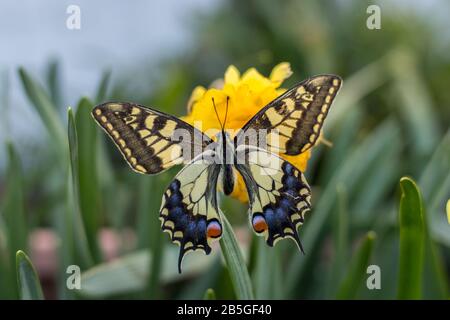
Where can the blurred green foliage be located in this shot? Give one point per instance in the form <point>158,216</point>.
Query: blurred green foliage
<point>391,119</point>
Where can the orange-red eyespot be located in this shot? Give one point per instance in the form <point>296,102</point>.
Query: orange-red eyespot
<point>214,229</point>
<point>259,223</point>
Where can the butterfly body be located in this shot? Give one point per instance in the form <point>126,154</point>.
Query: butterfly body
<point>226,152</point>
<point>279,195</point>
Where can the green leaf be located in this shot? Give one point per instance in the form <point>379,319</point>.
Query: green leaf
<point>268,261</point>
<point>89,192</point>
<point>235,263</point>
<point>27,279</point>
<point>14,227</point>
<point>54,83</point>
<point>358,268</point>
<point>209,295</point>
<point>412,238</point>
<point>447,208</point>
<point>81,242</point>
<point>414,101</point>
<point>435,183</point>
<point>130,273</point>
<point>46,110</point>
<point>149,228</point>
<point>14,204</point>
<point>355,88</point>
<point>340,241</point>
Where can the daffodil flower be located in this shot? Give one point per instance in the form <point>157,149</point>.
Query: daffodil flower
<point>247,93</point>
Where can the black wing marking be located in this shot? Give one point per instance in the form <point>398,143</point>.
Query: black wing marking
<point>146,138</point>
<point>294,120</point>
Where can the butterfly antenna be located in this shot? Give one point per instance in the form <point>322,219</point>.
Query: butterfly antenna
<point>226,113</point>
<point>217,115</point>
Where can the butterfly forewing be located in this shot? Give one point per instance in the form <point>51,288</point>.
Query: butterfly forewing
<point>294,120</point>
<point>145,136</point>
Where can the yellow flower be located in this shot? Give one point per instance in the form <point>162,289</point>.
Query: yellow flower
<point>247,95</point>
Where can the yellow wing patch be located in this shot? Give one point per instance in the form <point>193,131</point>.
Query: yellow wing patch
<point>144,136</point>
<point>278,193</point>
<point>294,120</point>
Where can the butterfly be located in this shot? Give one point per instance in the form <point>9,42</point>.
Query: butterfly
<point>152,141</point>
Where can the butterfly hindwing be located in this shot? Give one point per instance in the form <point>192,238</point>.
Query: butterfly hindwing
<point>294,120</point>
<point>279,195</point>
<point>189,210</point>
<point>145,136</point>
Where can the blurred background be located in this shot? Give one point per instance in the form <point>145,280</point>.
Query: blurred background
<point>391,119</point>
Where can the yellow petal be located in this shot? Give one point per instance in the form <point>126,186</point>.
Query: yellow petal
<point>232,75</point>
<point>300,161</point>
<point>252,74</point>
<point>280,73</point>
<point>196,95</point>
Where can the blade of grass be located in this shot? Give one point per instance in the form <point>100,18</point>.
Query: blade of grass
<point>82,244</point>
<point>27,279</point>
<point>235,263</point>
<point>5,92</point>
<point>14,219</point>
<point>89,192</point>
<point>414,101</point>
<point>54,83</point>
<point>103,87</point>
<point>356,87</point>
<point>447,207</point>
<point>149,229</point>
<point>267,262</point>
<point>412,237</point>
<point>343,134</point>
<point>383,175</point>
<point>435,279</point>
<point>46,110</point>
<point>63,223</point>
<point>341,241</point>
<point>436,169</point>
<point>14,204</point>
<point>8,289</point>
<point>357,270</point>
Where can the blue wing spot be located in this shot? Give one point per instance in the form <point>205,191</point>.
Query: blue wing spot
<point>193,229</point>
<point>175,185</point>
<point>278,215</point>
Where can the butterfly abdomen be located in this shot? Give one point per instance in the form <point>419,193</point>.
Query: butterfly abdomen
<point>228,179</point>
